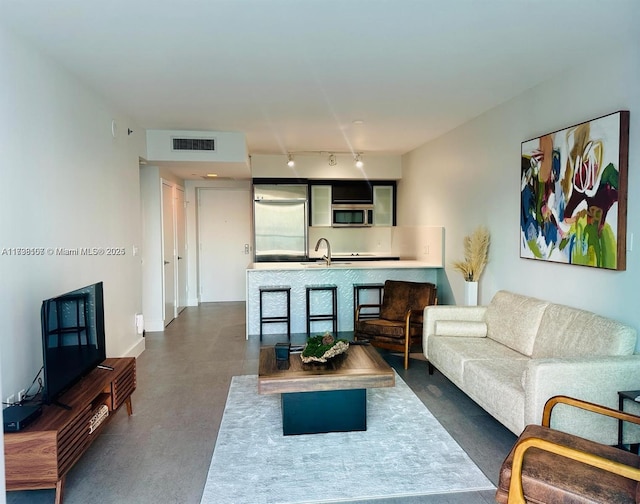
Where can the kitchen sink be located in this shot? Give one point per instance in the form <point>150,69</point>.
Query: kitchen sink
<point>322,264</point>
<point>354,254</point>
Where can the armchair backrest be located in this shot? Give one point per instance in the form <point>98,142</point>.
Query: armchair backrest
<point>401,296</point>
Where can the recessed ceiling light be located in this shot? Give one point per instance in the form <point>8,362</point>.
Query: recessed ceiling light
<point>212,175</point>
<point>358,121</point>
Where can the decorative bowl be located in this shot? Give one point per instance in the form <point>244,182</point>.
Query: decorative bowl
<point>321,348</point>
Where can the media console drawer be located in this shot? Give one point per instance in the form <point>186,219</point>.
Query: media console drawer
<point>40,455</point>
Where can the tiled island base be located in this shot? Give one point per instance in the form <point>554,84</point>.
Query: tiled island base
<point>344,276</point>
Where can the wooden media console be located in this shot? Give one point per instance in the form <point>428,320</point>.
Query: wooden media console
<point>40,455</point>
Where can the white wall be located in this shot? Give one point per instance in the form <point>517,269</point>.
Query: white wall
<point>152,286</point>
<point>471,176</point>
<point>66,182</point>
<point>151,178</point>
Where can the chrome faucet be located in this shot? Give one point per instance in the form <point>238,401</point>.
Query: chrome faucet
<point>327,257</point>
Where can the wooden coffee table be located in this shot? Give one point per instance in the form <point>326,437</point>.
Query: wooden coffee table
<point>329,397</point>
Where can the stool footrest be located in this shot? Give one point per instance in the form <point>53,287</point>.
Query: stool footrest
<point>333,316</point>
<point>276,319</point>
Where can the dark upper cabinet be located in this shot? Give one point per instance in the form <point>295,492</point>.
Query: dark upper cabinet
<point>351,191</point>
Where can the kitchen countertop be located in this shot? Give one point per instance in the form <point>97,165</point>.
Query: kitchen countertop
<point>341,264</point>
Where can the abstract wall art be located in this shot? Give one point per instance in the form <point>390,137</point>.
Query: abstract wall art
<point>573,194</point>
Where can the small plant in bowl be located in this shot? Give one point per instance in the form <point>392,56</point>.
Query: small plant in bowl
<point>323,347</point>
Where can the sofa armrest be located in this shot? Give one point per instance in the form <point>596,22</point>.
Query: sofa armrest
<point>594,379</point>
<point>432,314</point>
<point>586,405</point>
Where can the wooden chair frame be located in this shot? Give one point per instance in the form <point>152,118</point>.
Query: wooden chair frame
<point>516,494</point>
<point>407,326</point>
<point>391,346</point>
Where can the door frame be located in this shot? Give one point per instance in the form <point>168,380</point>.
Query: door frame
<point>174,229</point>
<point>182,251</point>
<point>227,189</point>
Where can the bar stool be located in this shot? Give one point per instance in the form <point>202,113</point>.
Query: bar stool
<point>278,319</point>
<point>357,287</point>
<point>333,316</point>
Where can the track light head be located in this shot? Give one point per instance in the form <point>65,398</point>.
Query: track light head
<point>332,160</point>
<point>358,160</point>
<point>290,162</point>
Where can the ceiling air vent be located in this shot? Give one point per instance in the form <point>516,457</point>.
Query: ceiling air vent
<point>194,144</point>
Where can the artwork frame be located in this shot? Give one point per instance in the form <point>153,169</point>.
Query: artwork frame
<point>573,194</point>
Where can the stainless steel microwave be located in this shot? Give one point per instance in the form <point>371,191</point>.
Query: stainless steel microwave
<point>351,215</point>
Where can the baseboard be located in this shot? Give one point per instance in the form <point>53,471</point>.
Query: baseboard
<point>137,349</point>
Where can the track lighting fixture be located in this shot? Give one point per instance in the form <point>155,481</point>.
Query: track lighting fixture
<point>332,159</point>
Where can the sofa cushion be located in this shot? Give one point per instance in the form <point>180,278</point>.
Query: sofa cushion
<point>386,328</point>
<point>450,354</point>
<point>460,328</point>
<point>570,332</point>
<point>496,385</point>
<point>513,320</point>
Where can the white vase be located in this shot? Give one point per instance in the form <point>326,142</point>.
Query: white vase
<point>471,293</point>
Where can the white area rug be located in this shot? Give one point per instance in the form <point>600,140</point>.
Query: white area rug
<point>404,452</point>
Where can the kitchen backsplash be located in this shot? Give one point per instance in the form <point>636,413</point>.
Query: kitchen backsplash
<point>346,240</point>
<point>422,243</point>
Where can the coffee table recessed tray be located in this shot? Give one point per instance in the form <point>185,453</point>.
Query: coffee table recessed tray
<point>328,397</point>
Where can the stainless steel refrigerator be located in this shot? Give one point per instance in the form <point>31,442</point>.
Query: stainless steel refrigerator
<point>280,222</point>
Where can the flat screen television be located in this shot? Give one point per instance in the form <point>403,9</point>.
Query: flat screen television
<point>72,338</point>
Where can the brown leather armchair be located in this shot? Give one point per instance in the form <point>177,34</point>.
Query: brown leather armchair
<point>399,325</point>
<point>549,466</point>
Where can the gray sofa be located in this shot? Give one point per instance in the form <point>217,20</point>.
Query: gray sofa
<point>517,352</point>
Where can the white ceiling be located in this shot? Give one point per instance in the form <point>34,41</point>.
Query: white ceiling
<point>293,75</point>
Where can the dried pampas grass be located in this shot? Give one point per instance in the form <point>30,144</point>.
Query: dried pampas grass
<point>476,254</point>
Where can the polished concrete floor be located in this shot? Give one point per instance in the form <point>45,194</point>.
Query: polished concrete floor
<point>161,454</point>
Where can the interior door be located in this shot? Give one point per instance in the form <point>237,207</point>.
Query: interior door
<point>224,235</point>
<point>181,249</point>
<point>168,254</point>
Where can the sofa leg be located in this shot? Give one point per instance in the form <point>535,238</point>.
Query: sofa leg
<point>431,368</point>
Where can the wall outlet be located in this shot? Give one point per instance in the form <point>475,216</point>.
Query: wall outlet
<point>11,399</point>
<point>139,323</point>
<point>21,395</point>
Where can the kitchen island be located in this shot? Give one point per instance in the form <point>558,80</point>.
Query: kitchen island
<point>341,273</point>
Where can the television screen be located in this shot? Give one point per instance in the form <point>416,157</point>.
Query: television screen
<point>72,338</point>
